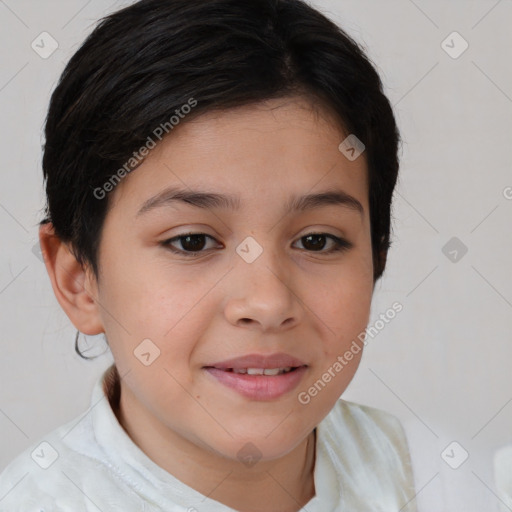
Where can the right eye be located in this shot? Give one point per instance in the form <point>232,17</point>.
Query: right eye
<point>192,243</point>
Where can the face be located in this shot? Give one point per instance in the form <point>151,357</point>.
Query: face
<point>186,286</point>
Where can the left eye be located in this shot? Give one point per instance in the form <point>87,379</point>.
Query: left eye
<point>317,242</point>
<point>193,243</point>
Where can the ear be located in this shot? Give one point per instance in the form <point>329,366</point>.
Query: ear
<point>75,288</point>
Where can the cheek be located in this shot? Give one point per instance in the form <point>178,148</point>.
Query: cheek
<point>345,303</point>
<point>148,297</point>
<point>163,315</point>
<point>344,310</point>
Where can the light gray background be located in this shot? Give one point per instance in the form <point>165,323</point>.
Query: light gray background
<point>443,365</point>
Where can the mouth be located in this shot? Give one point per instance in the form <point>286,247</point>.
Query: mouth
<point>256,364</point>
<point>258,371</point>
<point>259,377</point>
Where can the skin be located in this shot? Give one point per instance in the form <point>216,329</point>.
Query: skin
<point>216,306</point>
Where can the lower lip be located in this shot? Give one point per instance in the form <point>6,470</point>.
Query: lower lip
<point>259,387</point>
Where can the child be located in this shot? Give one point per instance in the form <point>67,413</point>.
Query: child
<point>260,129</point>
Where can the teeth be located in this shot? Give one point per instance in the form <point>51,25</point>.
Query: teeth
<point>261,371</point>
<point>255,371</point>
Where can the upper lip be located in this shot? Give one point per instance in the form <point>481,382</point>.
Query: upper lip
<point>276,360</point>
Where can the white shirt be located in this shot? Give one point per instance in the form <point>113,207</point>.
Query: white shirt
<point>90,464</point>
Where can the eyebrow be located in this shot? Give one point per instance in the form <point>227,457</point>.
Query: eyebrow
<point>210,200</point>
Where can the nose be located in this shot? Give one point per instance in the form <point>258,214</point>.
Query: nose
<point>261,295</point>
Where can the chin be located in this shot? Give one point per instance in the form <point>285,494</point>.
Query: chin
<point>260,446</point>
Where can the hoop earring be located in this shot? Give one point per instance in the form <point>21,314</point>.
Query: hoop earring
<point>77,350</point>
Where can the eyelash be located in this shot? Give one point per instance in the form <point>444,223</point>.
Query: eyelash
<point>341,244</point>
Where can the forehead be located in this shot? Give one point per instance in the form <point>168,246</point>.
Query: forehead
<point>264,152</point>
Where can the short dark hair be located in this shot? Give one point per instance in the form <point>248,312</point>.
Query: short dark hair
<point>143,62</point>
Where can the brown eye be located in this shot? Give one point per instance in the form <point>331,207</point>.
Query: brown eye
<point>316,242</point>
<point>191,243</point>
